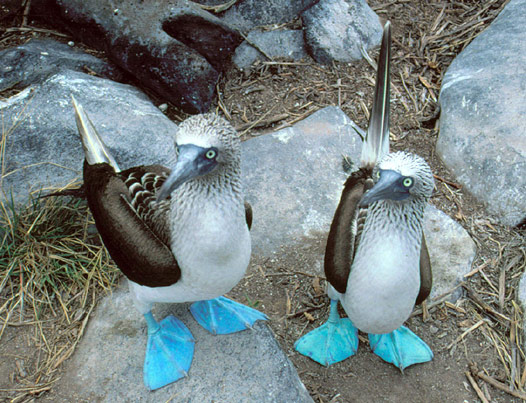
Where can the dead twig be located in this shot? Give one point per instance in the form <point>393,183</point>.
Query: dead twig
<point>476,387</point>
<point>499,385</point>
<point>465,333</point>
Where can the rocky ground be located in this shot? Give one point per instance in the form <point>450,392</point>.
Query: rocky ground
<point>477,341</point>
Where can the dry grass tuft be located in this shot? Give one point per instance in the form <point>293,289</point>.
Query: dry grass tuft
<point>52,270</point>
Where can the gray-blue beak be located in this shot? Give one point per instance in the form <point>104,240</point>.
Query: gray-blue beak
<point>389,186</point>
<point>191,163</point>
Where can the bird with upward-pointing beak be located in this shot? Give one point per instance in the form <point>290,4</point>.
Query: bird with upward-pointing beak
<point>376,259</point>
<point>179,236</point>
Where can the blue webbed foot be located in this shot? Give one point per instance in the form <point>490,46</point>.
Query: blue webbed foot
<point>224,316</point>
<point>332,342</point>
<point>169,351</point>
<point>401,348</point>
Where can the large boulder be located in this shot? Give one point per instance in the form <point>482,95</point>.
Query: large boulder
<point>338,29</point>
<point>173,47</point>
<point>43,150</point>
<point>482,136</point>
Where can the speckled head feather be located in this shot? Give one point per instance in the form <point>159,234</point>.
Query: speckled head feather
<point>411,165</point>
<point>211,130</point>
<point>208,156</point>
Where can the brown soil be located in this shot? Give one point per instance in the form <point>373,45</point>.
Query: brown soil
<point>290,288</point>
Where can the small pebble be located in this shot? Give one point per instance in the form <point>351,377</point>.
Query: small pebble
<point>71,43</point>
<point>433,329</point>
<point>163,107</point>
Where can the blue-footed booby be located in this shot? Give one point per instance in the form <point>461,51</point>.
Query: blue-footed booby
<point>376,259</point>
<point>179,235</point>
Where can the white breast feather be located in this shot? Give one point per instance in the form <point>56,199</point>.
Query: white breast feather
<point>213,253</point>
<point>384,280</point>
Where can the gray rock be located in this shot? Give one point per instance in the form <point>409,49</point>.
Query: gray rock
<point>294,178</point>
<point>38,59</point>
<point>172,46</point>
<point>279,44</point>
<point>248,366</point>
<point>248,14</point>
<point>42,147</point>
<point>483,116</point>
<point>337,29</point>
<point>451,251</point>
<point>294,200</point>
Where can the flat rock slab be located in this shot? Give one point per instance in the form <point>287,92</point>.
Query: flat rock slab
<point>451,251</point>
<point>247,366</point>
<point>483,116</point>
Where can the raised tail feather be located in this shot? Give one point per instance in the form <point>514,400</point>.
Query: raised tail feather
<point>95,150</point>
<point>376,143</point>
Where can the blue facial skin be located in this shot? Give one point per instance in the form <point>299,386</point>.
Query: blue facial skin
<point>192,161</point>
<point>391,185</point>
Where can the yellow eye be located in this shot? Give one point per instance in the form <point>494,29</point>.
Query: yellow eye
<point>211,154</point>
<point>378,174</point>
<point>408,182</point>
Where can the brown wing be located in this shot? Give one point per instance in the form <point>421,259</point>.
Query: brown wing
<point>426,276</point>
<point>248,214</point>
<point>136,237</point>
<point>339,251</point>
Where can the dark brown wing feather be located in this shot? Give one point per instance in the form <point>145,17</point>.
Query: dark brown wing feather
<point>136,238</point>
<point>339,251</point>
<point>248,214</point>
<point>426,276</point>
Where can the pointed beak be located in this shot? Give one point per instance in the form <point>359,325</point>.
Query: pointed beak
<point>190,164</point>
<point>387,187</point>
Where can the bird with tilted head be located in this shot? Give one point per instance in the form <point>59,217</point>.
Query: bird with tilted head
<point>179,235</point>
<point>376,259</point>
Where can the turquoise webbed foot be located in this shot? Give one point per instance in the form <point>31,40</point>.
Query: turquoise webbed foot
<point>169,351</point>
<point>401,348</point>
<point>332,342</point>
<point>224,316</point>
